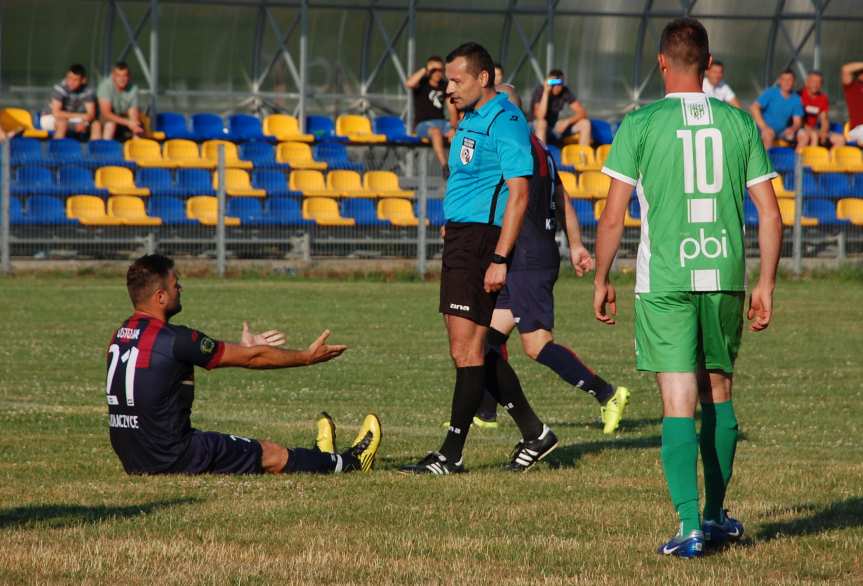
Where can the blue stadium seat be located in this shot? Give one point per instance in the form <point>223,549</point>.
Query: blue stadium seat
<point>323,128</point>
<point>173,125</point>
<point>16,212</point>
<point>750,212</point>
<point>248,209</point>
<point>812,184</point>
<point>171,209</point>
<point>835,185</point>
<point>434,212</point>
<point>554,151</point>
<point>74,180</point>
<point>244,127</point>
<point>782,159</point>
<point>393,127</point>
<point>274,182</point>
<point>65,150</point>
<point>857,184</point>
<point>364,211</point>
<point>262,155</point>
<point>601,131</point>
<point>209,126</point>
<point>26,150</point>
<point>286,212</point>
<point>195,182</point>
<point>336,156</point>
<point>104,153</point>
<point>45,210</point>
<point>824,211</point>
<point>584,210</point>
<point>788,181</point>
<point>31,179</point>
<point>159,181</point>
<point>634,207</point>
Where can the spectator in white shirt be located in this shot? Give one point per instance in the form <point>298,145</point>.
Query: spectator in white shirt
<point>715,87</point>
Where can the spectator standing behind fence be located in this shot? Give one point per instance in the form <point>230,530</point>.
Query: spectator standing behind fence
<point>430,106</point>
<point>816,118</point>
<point>118,105</point>
<point>714,85</point>
<point>72,108</point>
<point>546,105</point>
<point>778,111</point>
<point>852,85</point>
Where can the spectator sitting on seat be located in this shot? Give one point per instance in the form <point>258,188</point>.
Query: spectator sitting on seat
<point>547,103</point>
<point>715,87</point>
<point>72,109</point>
<point>852,85</point>
<point>816,121</point>
<point>429,95</point>
<point>118,105</point>
<point>778,111</point>
<point>507,88</point>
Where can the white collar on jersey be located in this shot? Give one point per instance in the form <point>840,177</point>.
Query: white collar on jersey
<point>684,94</point>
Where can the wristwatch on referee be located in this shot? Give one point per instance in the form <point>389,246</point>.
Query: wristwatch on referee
<point>497,259</point>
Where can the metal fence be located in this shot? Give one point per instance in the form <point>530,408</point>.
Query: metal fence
<point>52,211</point>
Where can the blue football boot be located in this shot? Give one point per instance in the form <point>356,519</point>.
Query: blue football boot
<point>684,546</point>
<point>728,530</point>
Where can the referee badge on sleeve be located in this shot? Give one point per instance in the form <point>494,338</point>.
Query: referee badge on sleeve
<point>467,147</point>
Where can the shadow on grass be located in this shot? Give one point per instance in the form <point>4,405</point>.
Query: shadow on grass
<point>625,424</point>
<point>66,515</point>
<point>839,515</point>
<point>568,456</point>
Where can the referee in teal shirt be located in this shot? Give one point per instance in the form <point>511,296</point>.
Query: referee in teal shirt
<point>490,162</point>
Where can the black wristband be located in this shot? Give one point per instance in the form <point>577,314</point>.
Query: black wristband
<point>498,259</point>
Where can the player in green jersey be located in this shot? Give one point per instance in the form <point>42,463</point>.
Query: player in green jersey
<point>691,160</point>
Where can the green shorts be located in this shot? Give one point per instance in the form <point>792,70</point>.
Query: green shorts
<point>682,331</point>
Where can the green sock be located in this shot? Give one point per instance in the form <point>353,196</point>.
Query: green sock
<point>680,463</point>
<point>718,444</point>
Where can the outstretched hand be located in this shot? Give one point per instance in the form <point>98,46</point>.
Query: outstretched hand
<point>319,351</point>
<point>268,338</point>
<point>604,294</point>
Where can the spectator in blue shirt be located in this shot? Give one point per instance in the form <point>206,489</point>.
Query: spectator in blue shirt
<point>778,111</point>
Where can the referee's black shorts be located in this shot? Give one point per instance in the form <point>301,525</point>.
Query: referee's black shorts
<point>467,251</point>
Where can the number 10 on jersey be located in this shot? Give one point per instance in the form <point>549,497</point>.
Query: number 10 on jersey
<point>695,164</point>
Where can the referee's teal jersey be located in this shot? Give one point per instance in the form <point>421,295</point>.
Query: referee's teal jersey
<point>492,145</point>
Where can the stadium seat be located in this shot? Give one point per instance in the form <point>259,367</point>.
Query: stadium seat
<point>195,182</point>
<point>835,185</point>
<point>385,184</point>
<point>205,210</point>
<point>185,154</point>
<point>73,179</point>
<point>347,184</point>
<point>298,156</point>
<point>89,210</point>
<point>394,129</point>
<point>857,184</point>
<point>584,212</point>
<point>554,151</point>
<point>750,212</point>
<point>571,185</point>
<point>237,184</point>
<point>595,184</point>
<point>46,210</point>
<point>170,209</point>
<point>325,212</point>
<point>262,155</point>
<point>817,158</point>
<point>102,153</point>
<point>286,212</point>
<point>173,125</point>
<point>119,181</point>
<point>336,156</point>
<point>850,209</point>
<point>779,188</point>
<point>812,184</point>
<point>249,211</point>
<point>824,211</point>
<point>274,183</point>
<point>145,152</point>
<point>208,126</point>
<point>210,151</point>
<point>149,131</point>
<point>398,212</point>
<point>130,210</point>
<point>17,216</point>
<point>434,212</point>
<point>628,220</point>
<point>357,129</point>
<point>602,152</point>
<point>310,183</point>
<point>158,181</point>
<point>25,150</point>
<point>601,131</point>
<point>363,211</point>
<point>783,159</point>
<point>579,156</point>
<point>65,150</point>
<point>285,128</point>
<point>848,159</point>
<point>30,179</point>
<point>12,119</point>
<point>322,128</point>
<point>786,209</point>
<point>245,127</point>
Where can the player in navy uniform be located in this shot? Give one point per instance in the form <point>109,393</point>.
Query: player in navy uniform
<point>151,386</point>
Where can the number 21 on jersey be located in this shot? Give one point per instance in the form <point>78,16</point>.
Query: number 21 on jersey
<point>695,163</point>
<point>129,361</point>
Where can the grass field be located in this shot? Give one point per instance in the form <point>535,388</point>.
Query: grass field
<point>593,514</point>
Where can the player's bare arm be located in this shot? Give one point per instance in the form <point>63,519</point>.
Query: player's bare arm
<point>268,357</point>
<point>608,235</point>
<point>579,256</point>
<point>769,243</point>
<point>513,217</point>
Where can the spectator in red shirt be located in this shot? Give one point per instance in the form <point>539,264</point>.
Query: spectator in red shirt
<point>852,84</point>
<point>816,121</point>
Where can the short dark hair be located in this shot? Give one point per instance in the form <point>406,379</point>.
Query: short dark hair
<point>121,66</point>
<point>146,274</point>
<point>437,58</point>
<point>556,73</point>
<point>788,71</point>
<point>78,69</point>
<point>684,42</point>
<point>717,63</point>
<point>478,59</point>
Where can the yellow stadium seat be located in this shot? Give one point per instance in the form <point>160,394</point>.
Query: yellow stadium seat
<point>20,120</point>
<point>325,212</point>
<point>779,188</point>
<point>185,154</point>
<point>398,212</point>
<point>119,181</point>
<point>145,153</point>
<point>311,183</point>
<point>628,220</point>
<point>232,155</point>
<point>285,128</point>
<point>817,158</point>
<point>595,184</point>
<point>848,159</point>
<point>148,129</point>
<point>786,209</point>
<point>237,184</point>
<point>357,129</point>
<point>205,209</point>
<point>347,184</point>
<point>602,152</point>
<point>298,156</point>
<point>131,211</point>
<point>571,185</point>
<point>579,156</point>
<point>89,210</point>
<point>385,184</point>
<point>850,208</point>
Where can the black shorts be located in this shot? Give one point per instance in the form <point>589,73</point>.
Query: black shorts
<point>530,297</point>
<point>467,252</point>
<point>210,452</point>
